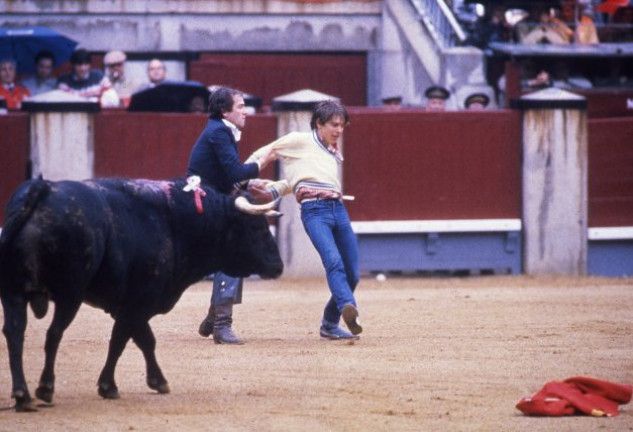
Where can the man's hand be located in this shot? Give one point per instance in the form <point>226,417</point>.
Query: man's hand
<point>258,188</point>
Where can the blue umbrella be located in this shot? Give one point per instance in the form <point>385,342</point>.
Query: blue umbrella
<point>23,44</point>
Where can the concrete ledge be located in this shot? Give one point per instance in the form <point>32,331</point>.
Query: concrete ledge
<point>425,226</point>
<point>610,233</point>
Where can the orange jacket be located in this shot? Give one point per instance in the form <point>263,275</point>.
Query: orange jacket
<point>15,96</point>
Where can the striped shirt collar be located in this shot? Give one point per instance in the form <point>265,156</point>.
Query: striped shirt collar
<point>331,150</point>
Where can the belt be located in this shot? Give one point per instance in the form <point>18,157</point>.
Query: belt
<point>305,200</point>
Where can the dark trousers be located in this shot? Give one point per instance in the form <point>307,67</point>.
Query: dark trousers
<point>226,289</point>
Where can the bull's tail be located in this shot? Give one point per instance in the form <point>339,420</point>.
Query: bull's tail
<point>19,210</point>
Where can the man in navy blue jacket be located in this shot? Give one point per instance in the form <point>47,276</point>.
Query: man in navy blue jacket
<point>214,158</point>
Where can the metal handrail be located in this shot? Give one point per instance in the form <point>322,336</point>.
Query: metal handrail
<point>440,21</point>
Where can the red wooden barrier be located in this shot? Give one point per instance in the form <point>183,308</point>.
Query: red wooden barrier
<point>416,165</point>
<point>14,147</point>
<point>157,145</point>
<point>268,76</point>
<point>610,172</point>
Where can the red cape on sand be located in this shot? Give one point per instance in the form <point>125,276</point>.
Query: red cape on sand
<point>577,395</point>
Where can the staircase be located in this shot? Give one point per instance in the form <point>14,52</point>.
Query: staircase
<point>422,46</point>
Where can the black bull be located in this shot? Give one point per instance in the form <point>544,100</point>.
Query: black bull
<point>129,247</point>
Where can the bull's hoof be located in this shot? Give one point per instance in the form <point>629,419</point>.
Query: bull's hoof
<point>160,387</point>
<point>45,392</point>
<point>23,402</point>
<point>108,391</point>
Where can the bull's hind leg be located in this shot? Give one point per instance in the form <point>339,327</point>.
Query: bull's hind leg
<point>13,329</point>
<point>65,312</point>
<point>144,338</point>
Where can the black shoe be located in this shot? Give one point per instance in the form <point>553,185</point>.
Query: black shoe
<point>350,316</point>
<point>206,327</point>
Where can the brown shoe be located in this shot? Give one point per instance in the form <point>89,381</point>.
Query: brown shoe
<point>350,316</point>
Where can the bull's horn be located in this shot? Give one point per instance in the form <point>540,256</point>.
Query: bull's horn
<point>242,204</point>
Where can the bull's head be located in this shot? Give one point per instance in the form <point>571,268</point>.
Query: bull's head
<point>250,247</point>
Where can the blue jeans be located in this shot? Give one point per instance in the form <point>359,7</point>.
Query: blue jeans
<point>327,224</point>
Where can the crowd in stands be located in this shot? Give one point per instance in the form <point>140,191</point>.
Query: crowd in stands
<point>110,87</point>
<point>552,21</point>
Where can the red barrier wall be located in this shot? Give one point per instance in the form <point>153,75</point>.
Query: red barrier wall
<point>416,165</point>
<point>267,76</point>
<point>157,145</point>
<point>14,148</point>
<point>409,165</point>
<point>610,172</point>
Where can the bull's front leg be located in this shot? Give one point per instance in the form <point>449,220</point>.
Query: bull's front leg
<point>65,312</point>
<point>121,334</point>
<point>14,327</point>
<point>144,338</point>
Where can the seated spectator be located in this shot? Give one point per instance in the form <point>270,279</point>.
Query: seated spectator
<point>477,102</point>
<point>124,86</point>
<point>156,74</point>
<point>550,29</point>
<point>562,77</point>
<point>437,97</point>
<point>43,80</point>
<point>11,91</point>
<point>531,78</point>
<point>392,103</point>
<point>616,76</point>
<point>197,105</point>
<point>87,82</point>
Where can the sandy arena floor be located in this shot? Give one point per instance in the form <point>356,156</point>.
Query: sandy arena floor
<point>437,354</point>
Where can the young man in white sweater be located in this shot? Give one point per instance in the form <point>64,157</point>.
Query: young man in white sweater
<point>311,163</point>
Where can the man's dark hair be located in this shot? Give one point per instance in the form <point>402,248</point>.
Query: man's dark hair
<point>325,110</point>
<point>80,56</point>
<point>221,101</point>
<point>44,55</point>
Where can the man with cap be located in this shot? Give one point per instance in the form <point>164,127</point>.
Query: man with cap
<point>114,62</point>
<point>477,102</point>
<point>436,96</point>
<point>392,103</point>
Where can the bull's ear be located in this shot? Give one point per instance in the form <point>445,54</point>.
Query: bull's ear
<point>242,204</point>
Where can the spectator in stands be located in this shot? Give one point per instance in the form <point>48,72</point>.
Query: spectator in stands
<point>87,82</point>
<point>563,79</point>
<point>436,98</point>
<point>312,161</point>
<point>531,77</point>
<point>616,76</point>
<point>11,91</point>
<point>550,29</point>
<point>124,86</point>
<point>197,105</point>
<point>477,102</point>
<point>215,160</point>
<point>156,74</point>
<point>392,103</point>
<point>43,80</point>
<point>580,13</point>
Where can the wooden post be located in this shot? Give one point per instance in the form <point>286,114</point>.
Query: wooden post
<point>554,182</point>
<point>62,136</point>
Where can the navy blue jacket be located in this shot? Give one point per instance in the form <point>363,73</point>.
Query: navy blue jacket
<point>214,158</point>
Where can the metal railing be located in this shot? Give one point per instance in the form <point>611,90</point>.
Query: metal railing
<point>440,21</point>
